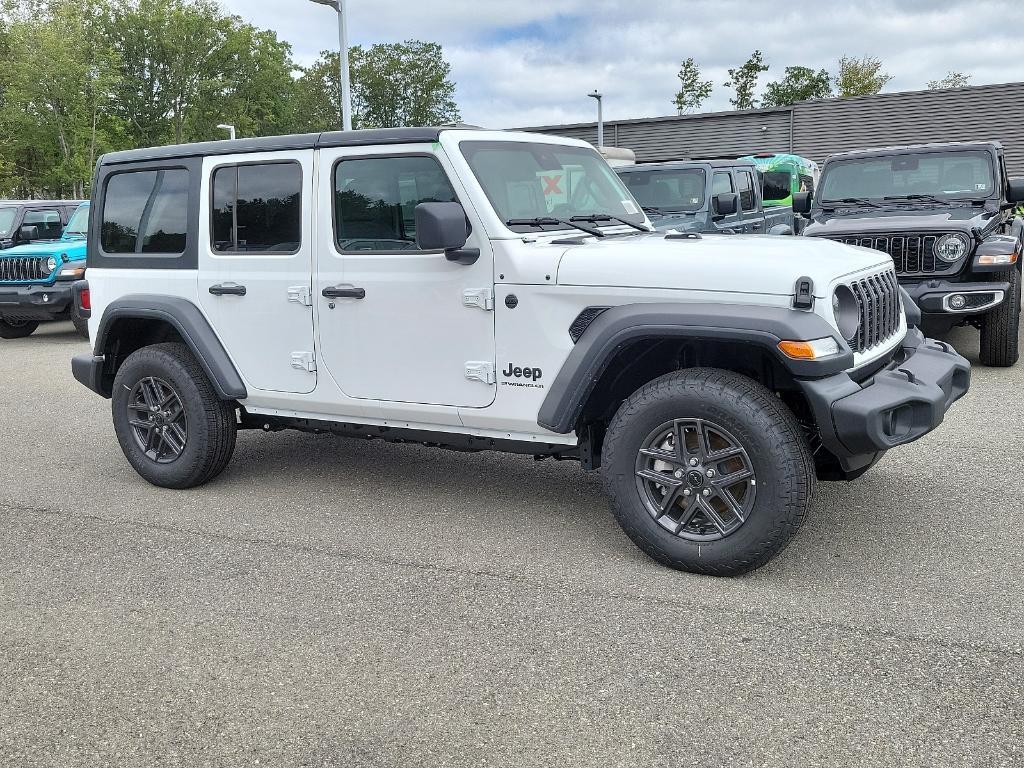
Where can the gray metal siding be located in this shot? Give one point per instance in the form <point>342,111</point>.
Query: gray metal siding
<point>719,134</point>
<point>981,113</point>
<point>820,128</point>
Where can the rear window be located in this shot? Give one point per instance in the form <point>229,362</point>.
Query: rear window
<point>146,212</point>
<point>775,185</point>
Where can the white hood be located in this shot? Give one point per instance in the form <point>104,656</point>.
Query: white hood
<point>762,264</point>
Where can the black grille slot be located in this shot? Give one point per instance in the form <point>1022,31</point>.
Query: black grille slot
<point>878,302</point>
<point>912,254</point>
<point>23,269</point>
<point>583,321</point>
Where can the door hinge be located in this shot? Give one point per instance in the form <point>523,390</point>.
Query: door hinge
<point>300,294</point>
<point>303,361</point>
<point>479,297</point>
<point>477,371</point>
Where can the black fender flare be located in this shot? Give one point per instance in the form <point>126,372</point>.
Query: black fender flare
<point>190,323</point>
<point>615,328</point>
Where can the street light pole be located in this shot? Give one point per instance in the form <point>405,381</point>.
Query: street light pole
<point>346,95</point>
<point>229,128</point>
<point>600,117</point>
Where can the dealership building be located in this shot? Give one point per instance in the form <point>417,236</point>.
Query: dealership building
<point>815,129</point>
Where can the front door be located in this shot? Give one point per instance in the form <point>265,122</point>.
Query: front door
<point>255,265</point>
<point>721,183</point>
<point>409,326</point>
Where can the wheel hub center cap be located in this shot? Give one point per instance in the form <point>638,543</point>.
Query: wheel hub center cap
<point>695,478</point>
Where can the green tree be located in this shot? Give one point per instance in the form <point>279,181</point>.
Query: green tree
<point>951,80</point>
<point>798,84</point>
<point>860,76</point>
<point>393,84</point>
<point>57,87</point>
<point>692,90</point>
<point>186,66</point>
<point>743,81</point>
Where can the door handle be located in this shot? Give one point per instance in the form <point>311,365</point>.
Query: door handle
<point>227,289</point>
<point>343,292</point>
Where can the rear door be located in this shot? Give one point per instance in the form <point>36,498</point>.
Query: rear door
<point>255,265</point>
<point>751,219</point>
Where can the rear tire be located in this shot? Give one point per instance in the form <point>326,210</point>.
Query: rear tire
<point>731,415</point>
<point>1000,328</point>
<point>12,328</point>
<point>173,428</point>
<point>81,325</point>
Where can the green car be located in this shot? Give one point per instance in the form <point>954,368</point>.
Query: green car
<point>782,175</point>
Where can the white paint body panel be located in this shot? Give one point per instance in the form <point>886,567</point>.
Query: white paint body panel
<point>398,357</point>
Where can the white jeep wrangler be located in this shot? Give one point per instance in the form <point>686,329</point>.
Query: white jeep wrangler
<point>485,290</point>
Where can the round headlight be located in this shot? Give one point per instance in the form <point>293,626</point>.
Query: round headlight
<point>51,264</point>
<point>844,306</point>
<point>951,248</point>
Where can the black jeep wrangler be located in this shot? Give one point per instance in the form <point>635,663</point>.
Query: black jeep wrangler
<point>944,212</point>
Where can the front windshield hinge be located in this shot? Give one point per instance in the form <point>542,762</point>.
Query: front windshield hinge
<point>803,294</point>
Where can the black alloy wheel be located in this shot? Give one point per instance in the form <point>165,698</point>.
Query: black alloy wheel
<point>157,419</point>
<point>696,479</point>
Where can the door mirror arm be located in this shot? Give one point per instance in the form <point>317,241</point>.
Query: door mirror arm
<point>462,255</point>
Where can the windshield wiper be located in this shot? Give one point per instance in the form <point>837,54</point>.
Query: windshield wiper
<point>593,218</point>
<point>852,200</point>
<point>547,221</point>
<point>916,197</point>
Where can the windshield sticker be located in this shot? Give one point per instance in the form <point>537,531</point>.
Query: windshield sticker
<point>630,206</point>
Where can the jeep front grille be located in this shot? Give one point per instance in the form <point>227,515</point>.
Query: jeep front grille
<point>912,254</point>
<point>878,302</point>
<point>23,269</point>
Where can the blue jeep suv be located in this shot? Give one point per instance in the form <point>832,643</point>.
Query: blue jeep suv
<point>36,280</point>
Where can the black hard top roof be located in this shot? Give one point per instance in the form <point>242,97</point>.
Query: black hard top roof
<point>910,149</point>
<point>680,164</point>
<point>278,143</point>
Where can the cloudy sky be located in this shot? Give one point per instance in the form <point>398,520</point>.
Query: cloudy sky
<point>532,63</point>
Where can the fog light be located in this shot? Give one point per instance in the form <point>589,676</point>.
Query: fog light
<point>957,301</point>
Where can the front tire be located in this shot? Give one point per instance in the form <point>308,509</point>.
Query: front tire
<point>1000,328</point>
<point>707,471</point>
<point>13,328</point>
<point>173,428</point>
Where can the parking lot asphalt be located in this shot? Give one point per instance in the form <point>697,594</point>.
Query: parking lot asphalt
<point>330,602</point>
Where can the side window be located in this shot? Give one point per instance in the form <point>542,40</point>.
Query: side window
<point>375,199</point>
<point>748,202</point>
<point>146,212</point>
<point>721,182</point>
<point>47,221</point>
<point>257,208</point>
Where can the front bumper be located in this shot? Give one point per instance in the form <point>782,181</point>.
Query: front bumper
<point>934,296</point>
<point>909,397</point>
<point>35,302</point>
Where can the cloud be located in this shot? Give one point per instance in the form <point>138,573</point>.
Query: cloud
<point>521,64</point>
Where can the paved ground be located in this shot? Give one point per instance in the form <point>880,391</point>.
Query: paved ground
<point>339,603</point>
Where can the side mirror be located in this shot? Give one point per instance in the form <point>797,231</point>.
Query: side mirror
<point>802,202</point>
<point>28,233</point>
<point>443,227</point>
<point>1015,190</point>
<point>725,203</point>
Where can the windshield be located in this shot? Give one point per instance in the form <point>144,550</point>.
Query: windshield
<point>668,191</point>
<point>7,216</point>
<point>79,224</point>
<point>526,180</point>
<point>952,175</point>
